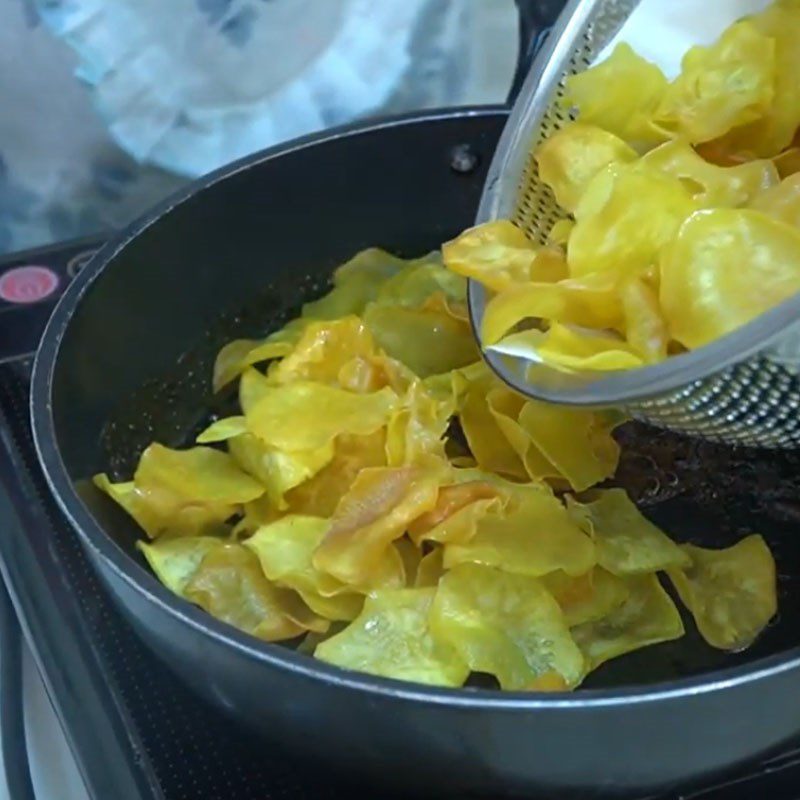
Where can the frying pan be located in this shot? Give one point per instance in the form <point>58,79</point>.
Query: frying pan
<point>126,359</point>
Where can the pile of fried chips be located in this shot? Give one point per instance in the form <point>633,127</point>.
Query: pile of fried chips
<point>681,207</point>
<point>383,496</point>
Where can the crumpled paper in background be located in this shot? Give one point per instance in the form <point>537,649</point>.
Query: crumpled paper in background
<point>104,114</point>
<point>108,105</point>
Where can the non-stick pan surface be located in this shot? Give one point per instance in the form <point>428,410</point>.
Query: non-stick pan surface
<point>126,359</point>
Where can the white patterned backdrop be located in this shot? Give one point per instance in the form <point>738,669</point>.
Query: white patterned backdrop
<point>107,105</point>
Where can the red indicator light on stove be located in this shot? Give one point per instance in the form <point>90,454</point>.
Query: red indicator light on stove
<point>28,284</point>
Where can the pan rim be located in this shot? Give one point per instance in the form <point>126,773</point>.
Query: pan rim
<point>101,546</point>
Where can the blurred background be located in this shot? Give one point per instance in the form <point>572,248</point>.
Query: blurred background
<point>108,105</point>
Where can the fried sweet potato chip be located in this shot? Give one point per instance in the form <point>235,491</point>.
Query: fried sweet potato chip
<point>591,301</point>
<point>391,638</point>
<point>620,96</point>
<point>724,268</point>
<point>500,256</point>
<point>175,560</point>
<point>627,542</point>
<point>285,549</point>
<point>646,617</point>
<point>533,536</point>
<point>710,185</point>
<point>573,155</point>
<point>721,87</point>
<point>320,495</point>
<point>288,417</point>
<point>624,219</point>
<point>774,129</point>
<point>508,626</point>
<point>377,509</point>
<point>731,593</point>
<point>781,202</point>
<point>230,585</point>
<point>588,597</point>
<point>183,492</point>
<point>572,349</point>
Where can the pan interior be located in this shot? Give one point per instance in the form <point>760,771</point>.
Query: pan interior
<point>135,364</point>
<point>710,495</point>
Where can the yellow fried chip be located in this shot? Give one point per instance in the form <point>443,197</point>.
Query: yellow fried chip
<point>620,95</point>
<point>459,508</point>
<point>155,521</point>
<point>372,373</point>
<point>646,617</point>
<point>731,593</point>
<point>508,626</point>
<point>588,597</point>
<point>372,265</point>
<point>624,219</point>
<point>500,255</point>
<point>199,474</point>
<point>256,513</point>
<point>285,549</point>
<point>627,542</point>
<point>533,536</point>
<point>577,442</point>
<point>323,350</point>
<point>451,387</point>
<point>550,442</point>
<point>506,406</point>
<point>592,301</point>
<point>720,87</point>
<point>230,585</point>
<point>415,433</point>
<point>550,265</point>
<point>774,129</point>
<point>175,560</point>
<point>571,349</point>
<point>183,492</point>
<point>223,429</point>
<point>355,283</point>
<point>781,202</point>
<point>376,510</point>
<point>240,354</point>
<point>391,638</point>
<point>507,489</point>
<point>426,341</point>
<point>488,445</point>
<point>645,327</point>
<point>573,155</point>
<point>421,278</point>
<point>278,471</point>
<point>290,417</point>
<point>726,267</point>
<point>253,386</point>
<point>709,184</point>
<point>319,495</point>
<point>559,235</point>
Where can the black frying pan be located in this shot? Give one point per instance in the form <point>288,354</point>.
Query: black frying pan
<point>126,360</point>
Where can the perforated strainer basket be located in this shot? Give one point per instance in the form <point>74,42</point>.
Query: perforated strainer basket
<point>742,389</point>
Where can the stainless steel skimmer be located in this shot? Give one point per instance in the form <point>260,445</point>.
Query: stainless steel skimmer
<point>742,389</point>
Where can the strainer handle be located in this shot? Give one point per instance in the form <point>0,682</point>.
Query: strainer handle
<point>536,17</point>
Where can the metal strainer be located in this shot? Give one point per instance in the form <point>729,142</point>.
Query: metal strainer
<point>741,389</point>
